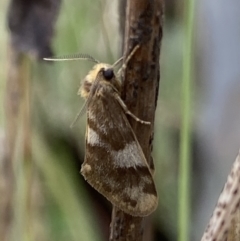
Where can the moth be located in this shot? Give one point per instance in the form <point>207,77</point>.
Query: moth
<point>226,209</point>
<point>114,163</point>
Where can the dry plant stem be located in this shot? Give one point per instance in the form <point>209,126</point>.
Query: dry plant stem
<point>12,108</point>
<point>27,153</point>
<point>227,206</point>
<point>17,137</point>
<point>124,226</point>
<point>143,27</point>
<point>234,232</point>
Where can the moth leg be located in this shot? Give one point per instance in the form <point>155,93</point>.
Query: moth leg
<point>124,66</point>
<point>128,112</point>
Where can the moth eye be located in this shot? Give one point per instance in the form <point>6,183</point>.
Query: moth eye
<point>108,74</point>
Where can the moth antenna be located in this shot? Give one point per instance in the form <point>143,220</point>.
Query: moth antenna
<point>124,66</point>
<point>73,57</point>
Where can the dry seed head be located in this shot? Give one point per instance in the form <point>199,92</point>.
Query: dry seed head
<point>226,207</point>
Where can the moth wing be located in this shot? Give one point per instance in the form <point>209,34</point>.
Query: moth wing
<point>114,161</point>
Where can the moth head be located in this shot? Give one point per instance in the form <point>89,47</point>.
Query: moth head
<point>100,72</point>
<point>104,73</point>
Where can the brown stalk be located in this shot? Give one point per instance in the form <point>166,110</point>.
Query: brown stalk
<point>143,27</point>
<point>18,137</point>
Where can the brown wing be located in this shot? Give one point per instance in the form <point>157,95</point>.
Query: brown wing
<point>114,162</point>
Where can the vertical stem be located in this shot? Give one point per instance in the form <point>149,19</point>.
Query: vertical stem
<point>18,163</point>
<point>143,27</point>
<point>13,97</point>
<point>27,155</point>
<point>185,141</point>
